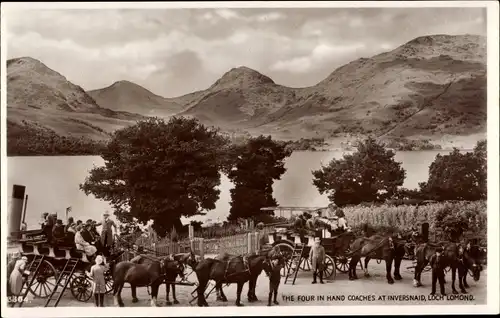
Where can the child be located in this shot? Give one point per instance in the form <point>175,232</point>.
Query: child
<point>437,265</point>
<point>97,275</point>
<point>317,259</point>
<point>273,270</point>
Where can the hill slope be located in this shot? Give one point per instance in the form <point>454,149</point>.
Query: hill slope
<point>430,86</point>
<point>128,96</point>
<point>40,99</point>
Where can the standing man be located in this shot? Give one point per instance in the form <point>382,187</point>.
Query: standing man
<point>107,232</point>
<point>317,257</point>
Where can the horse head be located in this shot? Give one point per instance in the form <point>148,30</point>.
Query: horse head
<point>170,265</point>
<point>274,261</point>
<point>472,259</point>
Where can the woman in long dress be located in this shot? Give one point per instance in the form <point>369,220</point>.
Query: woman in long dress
<point>81,244</point>
<point>16,277</point>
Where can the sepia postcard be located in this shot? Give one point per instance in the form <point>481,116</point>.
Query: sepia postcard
<point>270,158</point>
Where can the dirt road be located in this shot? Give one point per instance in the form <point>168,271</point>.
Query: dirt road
<point>365,291</point>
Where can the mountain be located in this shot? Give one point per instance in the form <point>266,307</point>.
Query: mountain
<point>40,100</point>
<point>430,86</point>
<point>128,96</point>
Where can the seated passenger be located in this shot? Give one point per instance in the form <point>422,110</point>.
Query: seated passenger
<point>82,244</point>
<point>70,227</point>
<point>58,232</point>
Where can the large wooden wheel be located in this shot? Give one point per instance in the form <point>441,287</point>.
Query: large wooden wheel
<point>330,271</point>
<point>342,263</point>
<point>81,287</point>
<point>45,280</point>
<point>305,265</point>
<point>286,250</point>
<point>108,277</point>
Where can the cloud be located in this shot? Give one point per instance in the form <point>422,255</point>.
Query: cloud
<point>319,55</point>
<point>173,52</point>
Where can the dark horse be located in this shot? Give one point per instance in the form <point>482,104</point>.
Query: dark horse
<point>151,273</point>
<point>227,269</point>
<point>456,257</point>
<point>390,248</point>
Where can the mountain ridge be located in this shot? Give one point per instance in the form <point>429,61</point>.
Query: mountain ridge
<point>428,87</point>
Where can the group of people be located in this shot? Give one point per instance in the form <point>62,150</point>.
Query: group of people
<point>334,218</point>
<point>84,235</point>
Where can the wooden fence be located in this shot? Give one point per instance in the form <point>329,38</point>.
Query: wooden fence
<point>235,244</point>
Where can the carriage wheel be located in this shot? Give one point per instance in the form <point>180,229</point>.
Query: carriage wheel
<point>81,288</point>
<point>305,265</point>
<point>330,268</point>
<point>109,282</point>
<point>45,280</point>
<point>342,263</point>
<point>287,251</point>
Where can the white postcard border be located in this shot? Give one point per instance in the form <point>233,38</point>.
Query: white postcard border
<point>493,173</point>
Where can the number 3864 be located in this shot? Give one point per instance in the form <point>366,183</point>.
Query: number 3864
<point>15,299</point>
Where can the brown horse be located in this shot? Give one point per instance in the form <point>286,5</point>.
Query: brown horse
<point>454,256</point>
<point>227,269</point>
<point>389,248</point>
<point>140,273</point>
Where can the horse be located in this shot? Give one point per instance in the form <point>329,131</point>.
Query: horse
<point>227,269</point>
<point>454,256</point>
<point>390,248</point>
<point>141,274</point>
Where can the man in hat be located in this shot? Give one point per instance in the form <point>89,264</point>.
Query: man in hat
<point>107,231</point>
<point>317,257</point>
<point>438,265</point>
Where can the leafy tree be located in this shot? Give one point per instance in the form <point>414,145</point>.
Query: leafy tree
<point>196,225</point>
<point>256,164</point>
<point>369,174</point>
<point>458,176</point>
<point>160,171</point>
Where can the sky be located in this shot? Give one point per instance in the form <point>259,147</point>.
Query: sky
<point>177,51</point>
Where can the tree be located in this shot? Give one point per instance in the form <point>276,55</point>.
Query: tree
<point>369,174</point>
<point>256,164</point>
<point>160,171</point>
<point>458,176</point>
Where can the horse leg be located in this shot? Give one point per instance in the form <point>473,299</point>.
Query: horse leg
<point>367,259</point>
<point>461,277</point>
<point>154,294</point>
<point>418,272</point>
<point>388,267</point>
<point>465,280</point>
<point>397,265</point>
<point>134,293</point>
<point>352,267</point>
<point>219,292</point>
<point>176,302</point>
<point>251,290</point>
<point>167,290</point>
<point>202,285</point>
<point>453,278</point>
<point>117,289</point>
<point>276,293</point>
<point>222,295</point>
<point>238,294</point>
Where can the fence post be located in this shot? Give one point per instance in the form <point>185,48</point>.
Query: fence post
<point>249,243</point>
<point>257,241</point>
<point>202,248</point>
<point>191,244</point>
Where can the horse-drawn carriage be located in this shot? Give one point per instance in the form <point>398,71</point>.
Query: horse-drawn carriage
<point>54,268</point>
<point>296,244</point>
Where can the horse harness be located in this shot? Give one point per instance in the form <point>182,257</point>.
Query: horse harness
<point>245,264</point>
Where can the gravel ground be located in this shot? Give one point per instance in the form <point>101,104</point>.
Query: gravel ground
<point>340,291</point>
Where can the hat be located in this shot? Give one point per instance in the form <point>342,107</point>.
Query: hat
<point>99,260</point>
<point>24,258</point>
<point>105,214</point>
<point>332,205</point>
<point>317,239</point>
<point>16,255</point>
